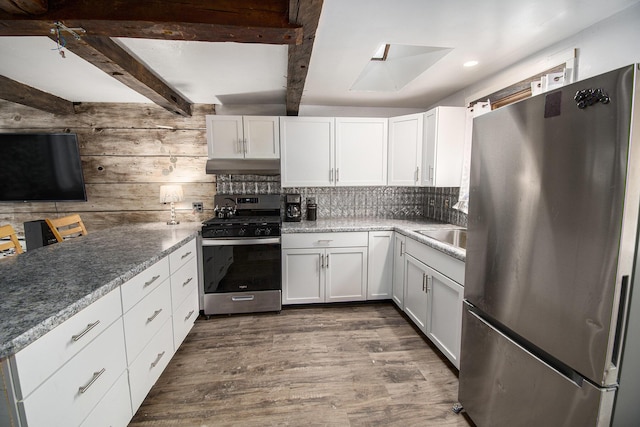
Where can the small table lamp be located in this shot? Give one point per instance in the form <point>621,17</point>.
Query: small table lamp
<point>171,194</point>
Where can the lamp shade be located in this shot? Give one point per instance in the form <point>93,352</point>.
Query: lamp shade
<point>171,193</point>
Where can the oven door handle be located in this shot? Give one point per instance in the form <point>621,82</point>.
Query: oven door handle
<point>240,242</point>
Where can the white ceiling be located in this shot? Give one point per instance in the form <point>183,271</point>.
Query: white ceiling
<point>496,33</point>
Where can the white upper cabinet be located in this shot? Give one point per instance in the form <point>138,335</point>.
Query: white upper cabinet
<point>405,149</point>
<point>323,151</point>
<point>361,151</point>
<point>443,149</point>
<point>307,151</point>
<point>243,137</point>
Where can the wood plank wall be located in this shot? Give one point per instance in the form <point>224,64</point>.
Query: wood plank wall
<point>128,151</point>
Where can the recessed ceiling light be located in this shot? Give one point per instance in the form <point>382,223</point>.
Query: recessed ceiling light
<point>470,64</point>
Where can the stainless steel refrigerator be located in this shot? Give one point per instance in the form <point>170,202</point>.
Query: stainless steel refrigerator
<point>551,323</point>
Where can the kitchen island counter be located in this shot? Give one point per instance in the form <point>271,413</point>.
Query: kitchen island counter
<point>402,226</point>
<point>44,287</point>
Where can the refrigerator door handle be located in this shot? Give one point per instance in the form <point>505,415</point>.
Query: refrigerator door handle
<point>623,307</point>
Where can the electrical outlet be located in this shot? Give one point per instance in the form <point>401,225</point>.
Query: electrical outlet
<point>197,206</point>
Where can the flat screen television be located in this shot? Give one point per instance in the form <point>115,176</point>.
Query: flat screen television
<point>40,168</point>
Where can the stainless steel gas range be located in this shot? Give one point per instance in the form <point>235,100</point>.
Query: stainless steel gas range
<point>241,255</point>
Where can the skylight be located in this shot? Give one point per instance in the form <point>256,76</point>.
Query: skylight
<point>393,66</point>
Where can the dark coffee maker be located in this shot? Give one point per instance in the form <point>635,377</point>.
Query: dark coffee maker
<point>293,208</point>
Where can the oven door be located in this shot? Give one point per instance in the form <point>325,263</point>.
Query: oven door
<point>241,275</point>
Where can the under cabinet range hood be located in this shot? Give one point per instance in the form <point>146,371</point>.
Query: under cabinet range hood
<point>243,166</point>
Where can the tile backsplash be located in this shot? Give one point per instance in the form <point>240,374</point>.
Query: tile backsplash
<point>354,202</point>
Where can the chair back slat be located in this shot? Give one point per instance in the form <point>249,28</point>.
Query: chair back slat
<point>13,243</point>
<point>66,226</point>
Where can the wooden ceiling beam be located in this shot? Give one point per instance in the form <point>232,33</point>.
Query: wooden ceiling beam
<point>307,14</point>
<point>19,93</point>
<point>26,7</point>
<point>247,21</point>
<point>114,60</point>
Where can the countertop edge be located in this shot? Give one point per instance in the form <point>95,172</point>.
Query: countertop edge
<point>404,227</point>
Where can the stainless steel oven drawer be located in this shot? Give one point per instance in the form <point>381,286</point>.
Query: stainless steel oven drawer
<point>242,302</point>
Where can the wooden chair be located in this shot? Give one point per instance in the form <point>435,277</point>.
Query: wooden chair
<point>66,226</point>
<point>13,243</point>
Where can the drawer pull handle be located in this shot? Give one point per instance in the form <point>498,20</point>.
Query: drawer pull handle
<point>325,241</point>
<point>244,298</point>
<point>187,281</point>
<point>86,330</point>
<point>155,314</point>
<point>189,315</point>
<point>95,377</point>
<point>153,279</point>
<point>155,362</point>
<point>185,255</point>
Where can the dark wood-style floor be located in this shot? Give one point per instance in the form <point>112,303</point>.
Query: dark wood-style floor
<point>354,365</point>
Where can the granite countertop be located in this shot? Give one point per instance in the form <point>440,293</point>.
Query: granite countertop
<point>44,287</point>
<point>403,226</point>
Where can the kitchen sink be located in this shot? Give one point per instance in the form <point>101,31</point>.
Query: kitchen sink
<point>457,238</point>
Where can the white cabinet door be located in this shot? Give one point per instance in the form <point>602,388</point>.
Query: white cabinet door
<point>240,137</point>
<point>225,138</point>
<point>302,276</point>
<point>361,151</point>
<point>398,283</point>
<point>307,145</point>
<point>415,297</point>
<point>262,137</point>
<point>346,274</point>
<point>405,149</point>
<point>444,314</point>
<point>443,150</point>
<point>380,270</point>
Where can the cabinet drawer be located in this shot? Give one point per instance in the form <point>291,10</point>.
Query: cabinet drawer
<point>64,341</point>
<point>146,369</point>
<point>139,286</point>
<point>115,407</point>
<point>184,317</point>
<point>183,282</point>
<point>145,319</point>
<point>182,255</point>
<point>325,240</point>
<point>72,392</point>
<point>449,266</point>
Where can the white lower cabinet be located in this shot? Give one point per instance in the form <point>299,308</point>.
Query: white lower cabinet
<point>346,274</point>
<point>380,270</point>
<point>324,267</point>
<point>67,397</point>
<point>114,409</point>
<point>399,259</point>
<point>302,276</point>
<point>444,315</point>
<point>415,297</point>
<point>433,294</point>
<point>145,319</point>
<point>146,369</point>
<point>183,318</point>
<point>184,291</point>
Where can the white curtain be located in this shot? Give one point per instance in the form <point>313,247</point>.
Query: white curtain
<point>475,110</point>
